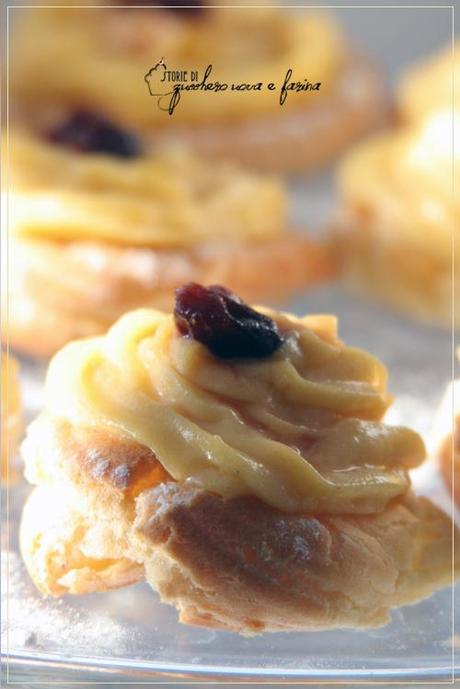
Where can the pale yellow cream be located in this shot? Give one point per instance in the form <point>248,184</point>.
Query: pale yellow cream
<point>160,200</point>
<point>300,429</point>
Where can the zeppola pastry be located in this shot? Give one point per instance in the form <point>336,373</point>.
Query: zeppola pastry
<point>431,85</point>
<point>130,60</point>
<point>236,459</point>
<point>99,226</point>
<point>398,229</point>
<point>11,416</point>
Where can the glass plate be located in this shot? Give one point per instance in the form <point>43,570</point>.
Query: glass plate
<point>130,633</point>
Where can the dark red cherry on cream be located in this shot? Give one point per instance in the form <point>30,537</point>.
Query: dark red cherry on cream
<point>220,320</point>
<point>177,6</point>
<point>88,132</point>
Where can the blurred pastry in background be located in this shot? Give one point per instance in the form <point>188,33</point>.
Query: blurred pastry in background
<point>398,227</point>
<point>98,226</point>
<point>446,438</point>
<point>449,457</point>
<point>431,85</point>
<point>117,61</point>
<point>11,414</point>
<point>236,459</point>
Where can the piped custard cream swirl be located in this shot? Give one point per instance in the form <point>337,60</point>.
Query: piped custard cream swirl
<point>166,199</point>
<point>299,429</point>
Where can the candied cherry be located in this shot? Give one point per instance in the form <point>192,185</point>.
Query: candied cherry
<point>87,132</point>
<point>195,6</point>
<point>221,321</point>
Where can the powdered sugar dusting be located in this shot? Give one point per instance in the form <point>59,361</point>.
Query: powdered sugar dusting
<point>35,622</point>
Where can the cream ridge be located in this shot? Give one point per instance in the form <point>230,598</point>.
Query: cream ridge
<point>300,429</point>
